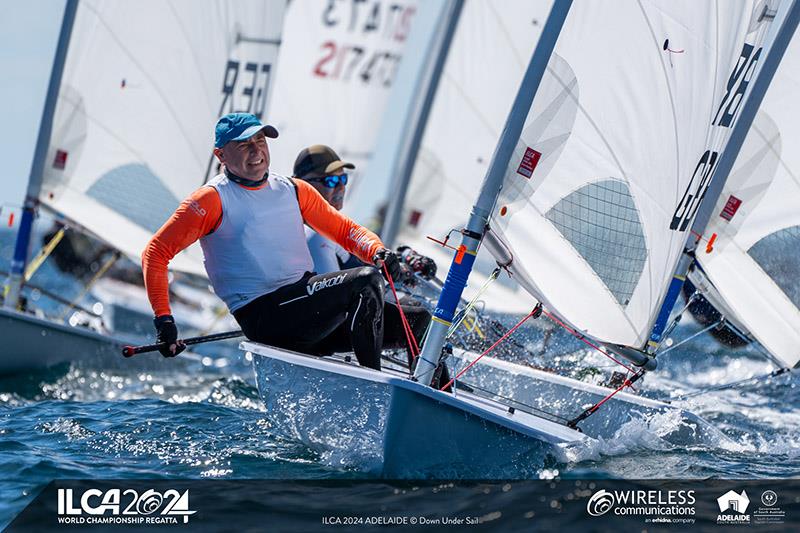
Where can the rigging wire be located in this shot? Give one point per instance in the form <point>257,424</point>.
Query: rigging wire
<point>593,409</point>
<point>690,337</point>
<point>554,417</point>
<point>464,312</point>
<point>533,312</point>
<point>583,339</point>
<point>731,385</point>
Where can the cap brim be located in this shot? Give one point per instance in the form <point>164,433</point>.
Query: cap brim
<point>268,130</point>
<point>336,165</point>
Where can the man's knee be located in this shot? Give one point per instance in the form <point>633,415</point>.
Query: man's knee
<point>367,277</point>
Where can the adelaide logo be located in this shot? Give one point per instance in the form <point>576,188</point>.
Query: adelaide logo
<point>733,508</point>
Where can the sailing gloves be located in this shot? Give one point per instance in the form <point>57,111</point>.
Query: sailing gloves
<point>424,266</point>
<point>392,263</point>
<point>167,333</point>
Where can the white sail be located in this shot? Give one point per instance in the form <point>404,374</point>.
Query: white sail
<point>617,151</point>
<point>485,64</point>
<point>338,61</point>
<point>143,85</point>
<point>754,261</point>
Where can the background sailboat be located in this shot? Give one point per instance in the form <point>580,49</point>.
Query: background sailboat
<point>752,262</point>
<point>339,62</point>
<point>126,133</point>
<point>611,167</point>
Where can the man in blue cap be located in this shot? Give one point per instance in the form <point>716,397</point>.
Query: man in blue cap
<point>250,226</point>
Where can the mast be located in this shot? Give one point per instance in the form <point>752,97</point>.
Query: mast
<point>411,136</point>
<point>462,263</point>
<point>725,165</point>
<point>15,278</point>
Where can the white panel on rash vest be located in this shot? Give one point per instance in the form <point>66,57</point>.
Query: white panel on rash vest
<point>260,245</point>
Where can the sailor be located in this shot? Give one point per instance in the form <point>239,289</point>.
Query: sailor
<point>250,226</point>
<point>322,168</point>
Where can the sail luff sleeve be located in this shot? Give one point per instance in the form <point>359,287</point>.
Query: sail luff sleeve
<point>461,266</point>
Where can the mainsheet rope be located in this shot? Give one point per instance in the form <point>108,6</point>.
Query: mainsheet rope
<point>410,339</point>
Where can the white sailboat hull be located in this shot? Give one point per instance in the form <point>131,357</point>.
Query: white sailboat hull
<point>567,398</point>
<point>387,424</point>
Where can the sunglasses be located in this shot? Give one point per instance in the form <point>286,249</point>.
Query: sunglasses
<point>330,181</point>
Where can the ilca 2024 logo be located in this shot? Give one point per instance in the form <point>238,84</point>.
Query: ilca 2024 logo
<point>117,506</point>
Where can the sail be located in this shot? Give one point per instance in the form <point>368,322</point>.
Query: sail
<point>619,146</point>
<point>143,84</point>
<point>487,59</point>
<point>338,61</point>
<point>754,261</point>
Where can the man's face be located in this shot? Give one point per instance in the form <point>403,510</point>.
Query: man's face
<point>247,159</point>
<point>335,195</point>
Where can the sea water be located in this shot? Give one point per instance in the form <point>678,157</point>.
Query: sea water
<point>208,422</point>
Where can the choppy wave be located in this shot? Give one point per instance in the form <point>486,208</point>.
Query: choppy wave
<point>209,422</point>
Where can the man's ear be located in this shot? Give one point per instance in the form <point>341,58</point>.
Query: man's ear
<point>219,154</point>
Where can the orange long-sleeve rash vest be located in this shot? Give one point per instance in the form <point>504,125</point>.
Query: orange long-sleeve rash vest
<point>201,213</point>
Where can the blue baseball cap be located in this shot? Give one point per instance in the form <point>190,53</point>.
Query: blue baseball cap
<point>240,127</point>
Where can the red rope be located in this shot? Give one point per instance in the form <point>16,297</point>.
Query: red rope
<point>627,383</point>
<point>410,339</point>
<point>580,337</point>
<point>595,407</point>
<point>492,347</point>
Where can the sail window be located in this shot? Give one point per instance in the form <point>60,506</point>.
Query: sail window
<point>778,254</point>
<point>601,222</point>
<point>136,193</point>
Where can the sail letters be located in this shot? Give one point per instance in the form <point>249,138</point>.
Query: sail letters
<point>726,114</point>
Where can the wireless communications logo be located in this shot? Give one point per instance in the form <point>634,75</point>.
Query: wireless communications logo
<point>116,506</point>
<point>600,503</point>
<point>657,506</point>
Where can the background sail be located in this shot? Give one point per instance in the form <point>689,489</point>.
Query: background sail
<point>617,151</point>
<point>490,50</point>
<point>755,259</point>
<point>338,62</point>
<point>143,85</point>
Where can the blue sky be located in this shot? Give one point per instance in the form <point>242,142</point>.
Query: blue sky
<point>28,36</point>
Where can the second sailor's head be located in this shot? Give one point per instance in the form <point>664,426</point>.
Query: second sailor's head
<point>320,166</point>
